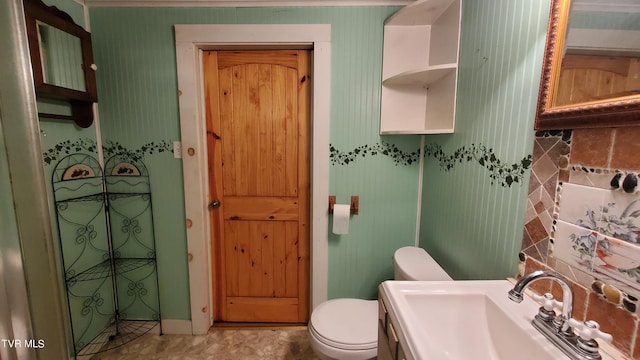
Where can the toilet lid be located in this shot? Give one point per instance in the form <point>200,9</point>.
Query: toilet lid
<point>350,324</point>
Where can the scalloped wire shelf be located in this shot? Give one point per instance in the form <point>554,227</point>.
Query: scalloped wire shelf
<point>97,197</point>
<point>120,329</point>
<point>103,269</point>
<point>111,338</point>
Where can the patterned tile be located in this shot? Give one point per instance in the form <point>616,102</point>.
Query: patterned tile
<point>608,212</point>
<point>600,178</point>
<point>574,245</point>
<point>550,188</point>
<point>580,298</point>
<point>626,149</point>
<point>530,212</point>
<point>543,249</point>
<point>546,143</point>
<point>579,204</point>
<point>593,224</point>
<point>534,184</point>
<point>544,168</point>
<point>613,320</point>
<point>549,146</point>
<point>591,147</point>
<point>558,153</point>
<point>572,273</point>
<point>538,150</point>
<point>526,240</point>
<point>540,286</point>
<point>536,195</point>
<point>610,234</point>
<point>636,348</point>
<point>547,222</point>
<point>617,262</point>
<point>548,198</point>
<point>535,252</point>
<point>536,230</point>
<point>621,217</point>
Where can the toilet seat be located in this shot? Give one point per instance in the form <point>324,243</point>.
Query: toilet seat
<point>347,324</point>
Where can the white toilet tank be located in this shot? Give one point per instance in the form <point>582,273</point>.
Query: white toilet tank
<point>413,263</point>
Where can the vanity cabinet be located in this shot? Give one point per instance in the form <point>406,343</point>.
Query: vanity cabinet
<point>389,347</point>
<point>420,68</point>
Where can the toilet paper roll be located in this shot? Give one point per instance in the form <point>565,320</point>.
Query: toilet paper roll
<point>341,215</point>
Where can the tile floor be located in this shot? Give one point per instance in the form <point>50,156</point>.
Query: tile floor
<point>288,343</point>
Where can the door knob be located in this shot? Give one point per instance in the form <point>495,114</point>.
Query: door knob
<point>214,204</point>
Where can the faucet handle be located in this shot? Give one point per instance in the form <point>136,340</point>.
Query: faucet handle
<point>547,301</point>
<point>589,330</point>
<point>587,333</point>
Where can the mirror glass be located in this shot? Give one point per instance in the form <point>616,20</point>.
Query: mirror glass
<point>601,57</point>
<point>61,58</point>
<point>591,69</point>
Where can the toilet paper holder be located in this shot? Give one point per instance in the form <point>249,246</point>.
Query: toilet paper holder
<point>355,204</point>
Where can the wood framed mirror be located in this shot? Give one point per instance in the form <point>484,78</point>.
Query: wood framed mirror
<point>62,61</point>
<point>591,69</point>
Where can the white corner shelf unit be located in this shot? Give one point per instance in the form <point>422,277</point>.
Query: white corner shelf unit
<point>420,68</point>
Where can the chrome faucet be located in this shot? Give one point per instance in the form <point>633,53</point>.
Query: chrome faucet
<point>558,329</point>
<point>561,322</point>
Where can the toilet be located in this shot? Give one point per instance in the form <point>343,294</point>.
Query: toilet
<point>347,329</point>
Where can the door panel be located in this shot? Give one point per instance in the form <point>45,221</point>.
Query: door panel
<point>257,126</point>
<point>265,254</point>
<point>264,120</point>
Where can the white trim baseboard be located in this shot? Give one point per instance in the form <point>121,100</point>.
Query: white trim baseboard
<point>191,40</point>
<point>175,327</point>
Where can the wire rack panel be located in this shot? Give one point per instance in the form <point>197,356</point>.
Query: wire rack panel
<point>105,225</point>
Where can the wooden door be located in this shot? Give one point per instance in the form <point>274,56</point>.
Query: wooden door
<point>257,105</point>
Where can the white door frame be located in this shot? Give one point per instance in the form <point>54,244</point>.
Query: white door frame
<point>191,40</point>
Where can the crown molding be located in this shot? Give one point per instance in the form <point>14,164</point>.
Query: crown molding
<point>242,3</point>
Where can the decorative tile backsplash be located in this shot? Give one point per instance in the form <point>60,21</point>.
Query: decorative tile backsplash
<point>598,231</point>
<point>575,245</point>
<point>550,165</point>
<point>580,225</point>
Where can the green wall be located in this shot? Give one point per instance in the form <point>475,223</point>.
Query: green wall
<point>474,180</point>
<point>134,49</point>
<point>473,209</point>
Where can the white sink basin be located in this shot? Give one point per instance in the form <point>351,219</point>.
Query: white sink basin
<point>465,320</point>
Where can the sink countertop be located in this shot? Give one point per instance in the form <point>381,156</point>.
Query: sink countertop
<point>467,320</point>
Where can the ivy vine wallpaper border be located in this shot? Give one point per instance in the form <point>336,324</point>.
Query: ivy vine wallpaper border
<point>109,149</point>
<point>499,172</point>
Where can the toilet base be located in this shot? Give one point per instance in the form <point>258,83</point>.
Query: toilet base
<point>325,352</point>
